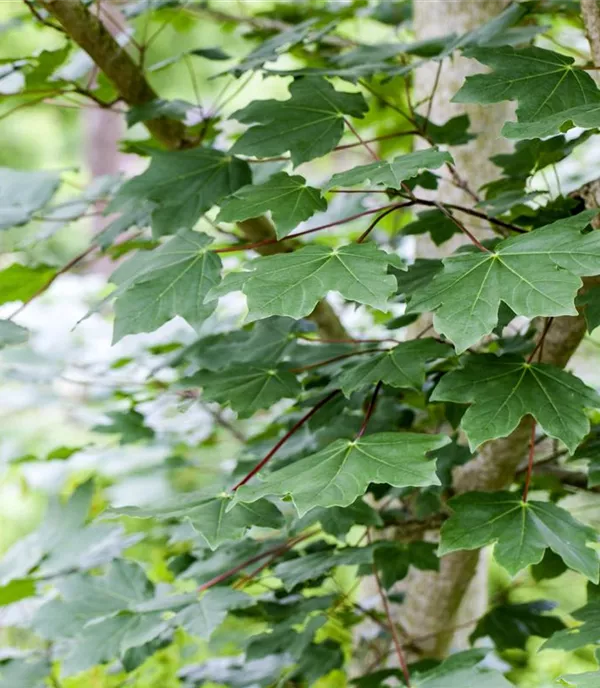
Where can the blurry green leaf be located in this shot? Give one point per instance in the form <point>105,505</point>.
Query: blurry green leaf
<point>587,633</point>
<point>522,531</point>
<point>435,223</point>
<point>23,193</point>
<point>308,125</point>
<point>502,390</point>
<point>203,617</point>
<point>341,472</point>
<point>128,424</point>
<point>290,200</point>
<point>157,285</point>
<point>511,625</point>
<point>16,590</point>
<point>391,174</point>
<point>590,300</point>
<point>172,109</point>
<point>25,673</point>
<point>461,671</point>
<point>588,680</point>
<point>535,274</point>
<point>210,516</point>
<point>401,366</point>
<point>11,333</point>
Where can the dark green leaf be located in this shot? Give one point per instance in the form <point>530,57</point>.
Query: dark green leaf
<point>341,472</point>
<point>308,125</point>
<point>432,222</point>
<point>522,531</point>
<point>502,390</point>
<point>290,200</point>
<point>511,625</point>
<point>535,274</point>
<point>128,424</point>
<point>402,366</point>
<point>157,285</point>
<point>171,109</point>
<point>392,174</point>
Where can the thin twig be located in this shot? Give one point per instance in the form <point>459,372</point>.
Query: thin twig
<point>370,410</point>
<point>540,344</point>
<point>263,462</point>
<point>378,219</point>
<point>391,624</point>
<point>530,460</point>
<point>334,359</point>
<point>462,228</point>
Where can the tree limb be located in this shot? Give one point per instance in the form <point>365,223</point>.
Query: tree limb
<point>88,31</point>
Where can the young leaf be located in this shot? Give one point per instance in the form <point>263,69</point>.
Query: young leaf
<point>402,366</point>
<point>521,530</point>
<point>185,184</point>
<point>293,283</point>
<point>210,516</point>
<point>511,625</point>
<point>23,193</point>
<point>157,285</point>
<point>338,474</point>
<point>247,388</point>
<point>290,200</point>
<point>545,83</point>
<point>308,125</point>
<point>535,274</point>
<point>392,174</point>
<point>503,389</point>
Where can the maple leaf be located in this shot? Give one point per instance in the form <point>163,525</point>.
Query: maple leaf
<point>503,390</point>
<point>521,530</point>
<point>535,274</point>
<point>289,198</point>
<point>342,471</point>
<point>309,124</point>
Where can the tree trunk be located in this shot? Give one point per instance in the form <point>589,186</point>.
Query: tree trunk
<point>433,601</point>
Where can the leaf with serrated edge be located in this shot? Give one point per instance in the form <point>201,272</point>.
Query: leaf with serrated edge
<point>503,389</point>
<point>546,84</point>
<point>341,472</point>
<point>522,531</point>
<point>247,388</point>
<point>170,280</point>
<point>309,124</point>
<point>402,366</point>
<point>392,174</point>
<point>289,198</point>
<point>293,283</point>
<point>210,517</point>
<point>535,274</point>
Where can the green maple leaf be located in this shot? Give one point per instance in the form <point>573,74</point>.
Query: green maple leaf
<point>247,388</point>
<point>309,124</point>
<point>402,366</point>
<point>293,283</point>
<point>587,633</point>
<point>157,285</point>
<point>511,625</point>
<point>392,174</point>
<point>535,274</point>
<point>12,334</point>
<point>185,184</point>
<point>289,198</point>
<point>547,86</point>
<point>434,222</point>
<point>23,193</point>
<point>203,617</point>
<point>521,530</point>
<point>590,300</point>
<point>210,516</point>
<point>128,424</point>
<point>342,471</point>
<point>503,390</point>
